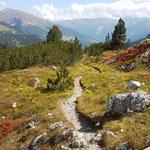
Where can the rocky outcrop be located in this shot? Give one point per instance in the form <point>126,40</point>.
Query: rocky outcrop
<point>134,85</point>
<point>123,146</point>
<point>128,67</point>
<point>37,141</point>
<point>130,102</point>
<point>58,138</point>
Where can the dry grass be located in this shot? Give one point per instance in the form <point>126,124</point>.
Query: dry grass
<point>98,87</point>
<point>32,104</point>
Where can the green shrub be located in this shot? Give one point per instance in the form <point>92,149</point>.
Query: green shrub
<point>61,82</point>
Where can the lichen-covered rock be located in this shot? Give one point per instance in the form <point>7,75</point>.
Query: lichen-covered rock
<point>130,102</point>
<point>123,146</point>
<point>56,125</point>
<point>134,85</point>
<point>37,141</point>
<point>128,67</point>
<point>58,138</point>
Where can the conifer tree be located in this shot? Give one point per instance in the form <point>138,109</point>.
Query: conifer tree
<point>54,34</point>
<point>119,36</point>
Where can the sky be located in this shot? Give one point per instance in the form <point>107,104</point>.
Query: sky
<point>75,9</point>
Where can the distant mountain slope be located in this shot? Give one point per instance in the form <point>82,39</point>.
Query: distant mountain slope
<point>31,24</point>
<point>98,28</point>
<point>12,36</point>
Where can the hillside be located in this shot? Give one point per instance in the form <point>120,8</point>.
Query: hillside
<point>31,24</point>
<point>98,28</point>
<point>15,37</point>
<point>33,118</point>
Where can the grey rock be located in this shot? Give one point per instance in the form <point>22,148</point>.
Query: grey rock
<point>37,141</point>
<point>130,102</point>
<point>146,54</point>
<point>80,143</point>
<point>58,138</point>
<point>134,85</point>
<point>148,148</point>
<point>56,125</point>
<point>98,138</point>
<point>123,146</point>
<point>111,61</point>
<point>33,124</point>
<point>110,133</point>
<point>128,67</point>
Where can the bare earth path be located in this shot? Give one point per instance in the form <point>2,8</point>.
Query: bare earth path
<point>80,123</point>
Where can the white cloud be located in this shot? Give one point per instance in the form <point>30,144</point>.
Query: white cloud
<point>120,8</point>
<point>3,4</point>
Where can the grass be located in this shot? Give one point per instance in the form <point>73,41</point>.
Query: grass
<point>100,81</point>
<point>31,105</point>
<point>98,87</point>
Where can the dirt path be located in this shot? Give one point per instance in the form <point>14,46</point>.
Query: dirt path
<point>81,124</point>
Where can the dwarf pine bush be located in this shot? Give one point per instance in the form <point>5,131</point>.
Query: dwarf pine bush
<point>61,82</point>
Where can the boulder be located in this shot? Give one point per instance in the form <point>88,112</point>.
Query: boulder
<point>134,85</point>
<point>37,141</point>
<point>123,146</point>
<point>129,102</point>
<point>58,138</point>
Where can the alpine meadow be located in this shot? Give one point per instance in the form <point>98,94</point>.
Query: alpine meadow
<point>75,75</point>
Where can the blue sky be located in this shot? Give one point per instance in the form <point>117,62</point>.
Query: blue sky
<point>75,9</point>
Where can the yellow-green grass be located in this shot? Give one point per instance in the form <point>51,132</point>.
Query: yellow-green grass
<point>99,87</point>
<point>32,104</point>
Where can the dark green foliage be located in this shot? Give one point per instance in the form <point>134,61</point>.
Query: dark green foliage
<point>61,82</point>
<point>119,36</point>
<point>54,34</point>
<point>107,43</point>
<point>94,49</point>
<point>43,53</point>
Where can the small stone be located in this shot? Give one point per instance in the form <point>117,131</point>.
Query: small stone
<point>3,117</point>
<point>49,114</point>
<point>94,113</point>
<point>14,105</point>
<point>97,124</point>
<point>65,148</point>
<point>98,138</point>
<point>33,124</point>
<point>123,146</point>
<point>110,133</point>
<point>134,85</point>
<point>122,130</point>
